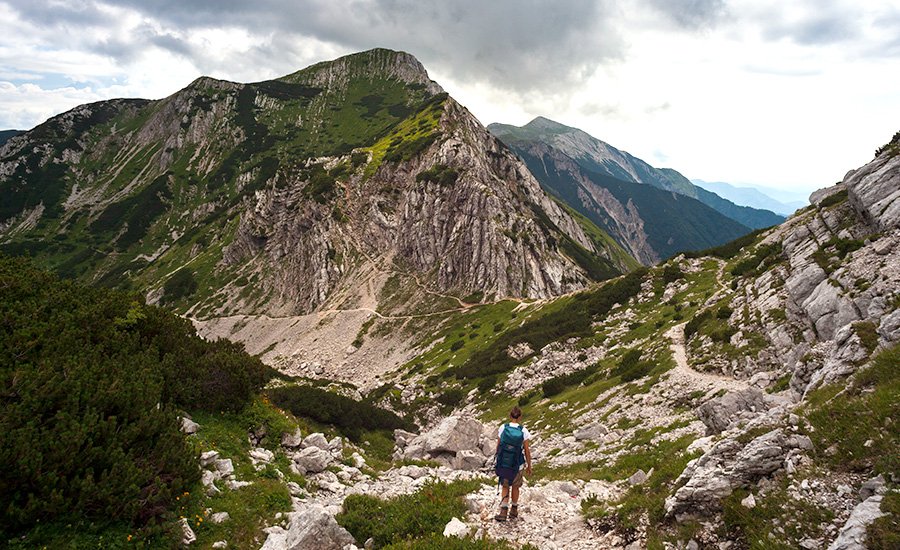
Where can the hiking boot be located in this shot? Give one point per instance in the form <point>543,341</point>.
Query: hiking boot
<point>503,514</point>
<point>514,511</point>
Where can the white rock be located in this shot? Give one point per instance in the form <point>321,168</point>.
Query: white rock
<point>208,478</point>
<point>188,426</point>
<point>316,440</point>
<point>853,533</point>
<point>220,544</point>
<point>187,534</point>
<point>208,458</point>
<point>261,455</point>
<point>456,528</point>
<point>293,440</point>
<point>358,460</point>
<point>468,460</point>
<point>311,529</point>
<point>312,459</point>
<point>234,484</point>
<point>219,517</point>
<point>224,466</point>
<point>594,432</point>
<point>749,501</point>
<point>637,478</point>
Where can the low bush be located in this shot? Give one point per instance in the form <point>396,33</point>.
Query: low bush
<point>728,250</point>
<point>452,397</point>
<point>92,382</point>
<point>405,518</point>
<point>440,174</point>
<point>572,321</point>
<point>180,285</point>
<point>671,273</point>
<point>351,417</point>
<point>557,384</point>
<point>762,258</point>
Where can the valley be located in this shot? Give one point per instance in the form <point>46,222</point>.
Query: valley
<point>399,279</point>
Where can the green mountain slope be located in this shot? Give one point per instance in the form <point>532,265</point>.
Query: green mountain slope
<point>599,157</point>
<point>273,196</point>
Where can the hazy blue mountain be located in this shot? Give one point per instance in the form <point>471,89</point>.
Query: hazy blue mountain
<point>750,196</point>
<point>602,158</point>
<point>650,223</point>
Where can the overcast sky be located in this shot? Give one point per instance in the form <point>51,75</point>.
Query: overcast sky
<point>783,94</point>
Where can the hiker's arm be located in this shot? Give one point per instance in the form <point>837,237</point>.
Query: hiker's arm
<point>527,458</point>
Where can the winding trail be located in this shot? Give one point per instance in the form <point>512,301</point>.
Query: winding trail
<point>685,374</point>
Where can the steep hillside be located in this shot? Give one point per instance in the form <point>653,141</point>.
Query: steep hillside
<point>602,158</point>
<point>355,187</point>
<point>744,393</point>
<point>650,223</point>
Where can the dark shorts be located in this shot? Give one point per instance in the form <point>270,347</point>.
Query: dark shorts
<point>508,476</point>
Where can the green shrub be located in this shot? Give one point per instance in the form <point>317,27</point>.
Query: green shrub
<point>350,416</point>
<point>867,333</point>
<point>695,323</point>
<point>884,532</point>
<point>831,200</point>
<point>452,397</point>
<point>457,345</point>
<point>729,250</point>
<point>93,379</point>
<point>575,320</point>
<point>407,517</point>
<point>440,174</point>
<point>724,312</point>
<point>762,258</point>
<point>671,273</point>
<point>180,285</point>
<point>488,382</point>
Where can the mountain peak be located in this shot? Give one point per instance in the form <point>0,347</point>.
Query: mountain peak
<point>545,124</point>
<point>377,63</point>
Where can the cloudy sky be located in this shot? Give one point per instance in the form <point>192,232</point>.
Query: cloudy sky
<point>766,92</point>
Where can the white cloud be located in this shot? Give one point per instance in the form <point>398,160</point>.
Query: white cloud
<point>746,91</point>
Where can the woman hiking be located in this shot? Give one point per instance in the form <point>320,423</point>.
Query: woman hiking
<point>513,461</point>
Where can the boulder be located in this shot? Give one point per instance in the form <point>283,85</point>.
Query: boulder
<point>188,426</point>
<point>874,486</point>
<point>224,466</point>
<point>853,534</point>
<point>720,413</point>
<point>311,529</point>
<point>336,445</point>
<point>456,528</point>
<point>593,432</point>
<point>220,544</point>
<point>874,191</point>
<point>454,434</point>
<point>469,461</point>
<point>208,479</point>
<point>315,440</point>
<point>208,458</point>
<point>312,460</point>
<point>292,440</point>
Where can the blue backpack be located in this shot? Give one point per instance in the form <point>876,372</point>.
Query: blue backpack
<point>509,455</point>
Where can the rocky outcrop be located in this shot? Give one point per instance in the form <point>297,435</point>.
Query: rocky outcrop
<point>731,464</point>
<point>311,529</point>
<point>722,412</point>
<point>461,442</point>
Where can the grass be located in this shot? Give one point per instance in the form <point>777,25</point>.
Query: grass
<point>405,518</point>
<point>860,422</point>
<point>778,522</point>
<point>884,532</point>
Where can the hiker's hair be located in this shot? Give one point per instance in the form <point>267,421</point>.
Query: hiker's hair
<point>516,412</point>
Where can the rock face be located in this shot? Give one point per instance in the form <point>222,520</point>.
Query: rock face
<point>311,529</point>
<point>731,464</point>
<point>720,413</point>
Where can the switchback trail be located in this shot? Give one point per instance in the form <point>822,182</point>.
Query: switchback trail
<point>683,372</point>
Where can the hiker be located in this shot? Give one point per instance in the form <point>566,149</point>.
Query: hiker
<point>513,461</point>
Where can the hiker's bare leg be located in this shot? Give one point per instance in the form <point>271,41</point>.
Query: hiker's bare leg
<point>515,494</point>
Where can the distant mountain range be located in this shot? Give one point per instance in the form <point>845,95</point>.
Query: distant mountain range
<point>754,196</point>
<point>649,222</point>
<point>653,213</point>
<point>602,158</point>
